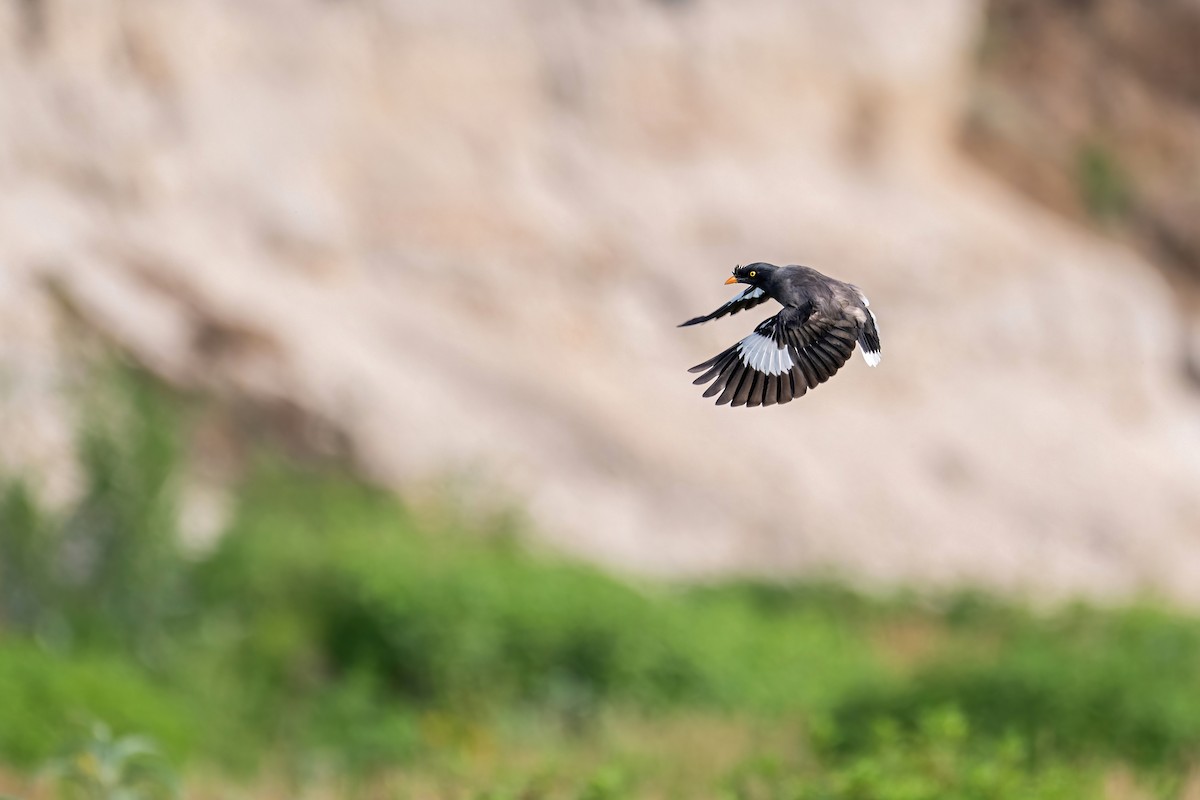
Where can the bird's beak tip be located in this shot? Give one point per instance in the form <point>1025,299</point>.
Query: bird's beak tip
<point>731,279</point>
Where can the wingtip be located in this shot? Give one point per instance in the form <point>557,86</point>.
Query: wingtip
<point>872,357</point>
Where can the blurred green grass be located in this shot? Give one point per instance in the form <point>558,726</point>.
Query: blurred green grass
<point>336,631</point>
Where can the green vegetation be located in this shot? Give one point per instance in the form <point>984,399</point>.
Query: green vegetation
<point>102,767</point>
<point>1123,685</point>
<point>1104,186</point>
<point>337,638</point>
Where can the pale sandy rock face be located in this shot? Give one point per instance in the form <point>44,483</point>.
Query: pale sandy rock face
<point>462,235</point>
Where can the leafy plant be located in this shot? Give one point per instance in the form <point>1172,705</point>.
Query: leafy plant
<point>1121,684</point>
<point>105,767</point>
<point>108,568</point>
<point>44,696</point>
<point>27,560</point>
<point>939,758</point>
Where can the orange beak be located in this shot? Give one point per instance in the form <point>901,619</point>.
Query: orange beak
<point>732,279</point>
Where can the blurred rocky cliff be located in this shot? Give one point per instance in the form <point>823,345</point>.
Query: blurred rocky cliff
<point>454,239</point>
<point>1093,108</point>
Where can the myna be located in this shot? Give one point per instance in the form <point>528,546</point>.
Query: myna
<point>803,345</point>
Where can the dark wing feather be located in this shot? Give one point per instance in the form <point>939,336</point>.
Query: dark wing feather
<point>787,355</point>
<point>751,297</point>
<point>822,345</point>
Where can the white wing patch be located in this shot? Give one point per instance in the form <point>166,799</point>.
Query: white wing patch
<point>762,354</point>
<point>751,293</point>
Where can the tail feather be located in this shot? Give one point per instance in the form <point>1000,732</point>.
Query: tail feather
<point>868,340</point>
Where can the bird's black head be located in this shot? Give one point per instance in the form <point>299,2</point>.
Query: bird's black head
<point>754,274</point>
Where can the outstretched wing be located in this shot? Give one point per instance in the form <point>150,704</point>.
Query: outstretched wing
<point>787,355</point>
<point>751,297</point>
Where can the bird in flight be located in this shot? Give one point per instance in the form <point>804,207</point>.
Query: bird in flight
<point>803,345</point>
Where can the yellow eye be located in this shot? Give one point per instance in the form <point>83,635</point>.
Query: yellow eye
<point>752,273</point>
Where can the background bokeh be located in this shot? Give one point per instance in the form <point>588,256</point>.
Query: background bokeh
<point>305,288</point>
